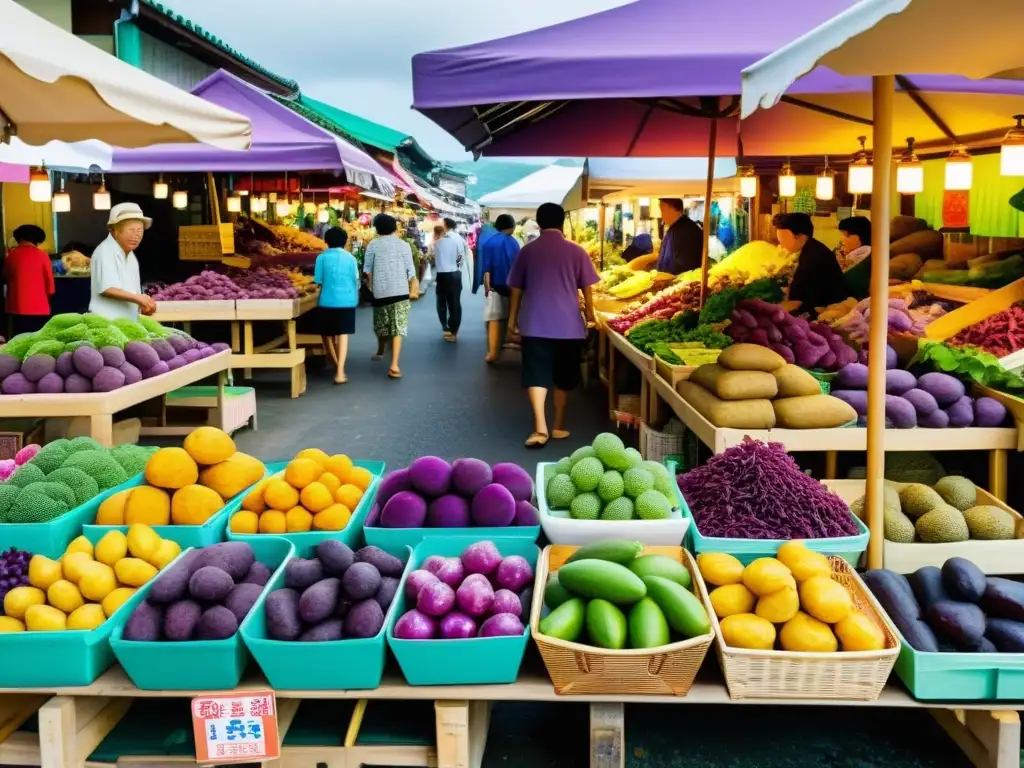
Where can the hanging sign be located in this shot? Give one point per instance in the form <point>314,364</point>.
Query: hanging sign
<point>235,727</point>
<point>956,208</point>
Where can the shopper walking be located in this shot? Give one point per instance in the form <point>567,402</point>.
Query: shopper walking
<point>449,253</point>
<point>496,258</point>
<point>116,287</point>
<point>392,276</point>
<point>337,274</point>
<point>545,279</point>
<point>29,281</point>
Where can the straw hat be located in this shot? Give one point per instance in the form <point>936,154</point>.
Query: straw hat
<point>128,212</point>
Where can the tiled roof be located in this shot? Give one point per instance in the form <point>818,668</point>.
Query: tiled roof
<point>211,38</point>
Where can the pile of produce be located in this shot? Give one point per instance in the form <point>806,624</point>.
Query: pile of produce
<point>753,387</point>
<point>89,353</point>
<point>206,286</point>
<point>64,475</point>
<point>991,274</point>
<point>607,481</point>
<point>204,595</point>
<point>86,585</point>
<point>1001,334</point>
<point>613,276</point>
<point>663,305</point>
<point>185,486</point>
<point>967,363</point>
<point>793,591</point>
<point>636,283</point>
<point>943,513</point>
<point>611,595</point>
<point>756,490</point>
<point>855,322</point>
<point>809,345</point>
<point>259,280</point>
<point>432,493</point>
<point>686,352</point>
<point>13,571</point>
<point>7,466</point>
<point>314,492</point>
<point>291,239</point>
<point>480,594</point>
<point>726,297</point>
<point>73,264</point>
<point>953,609</point>
<point>681,328</point>
<point>334,595</point>
<point>935,400</point>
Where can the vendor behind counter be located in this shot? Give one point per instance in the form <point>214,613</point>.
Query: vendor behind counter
<point>818,279</point>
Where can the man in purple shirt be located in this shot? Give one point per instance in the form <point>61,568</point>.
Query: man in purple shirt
<point>545,280</point>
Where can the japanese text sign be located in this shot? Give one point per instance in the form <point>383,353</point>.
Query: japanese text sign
<point>235,727</point>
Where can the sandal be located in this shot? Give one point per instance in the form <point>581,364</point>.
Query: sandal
<point>536,440</point>
<point>342,380</point>
<point>559,434</point>
<point>394,374</point>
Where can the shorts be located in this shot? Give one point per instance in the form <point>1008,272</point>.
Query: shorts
<point>551,363</point>
<point>495,307</point>
<point>337,321</point>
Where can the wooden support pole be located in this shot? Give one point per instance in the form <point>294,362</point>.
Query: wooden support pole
<point>883,88</point>
<point>709,187</point>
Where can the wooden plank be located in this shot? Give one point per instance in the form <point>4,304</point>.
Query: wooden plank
<point>96,403</point>
<point>953,322</point>
<point>15,709</point>
<point>283,359</point>
<point>20,748</point>
<point>57,733</point>
<point>988,739</point>
<point>631,353</point>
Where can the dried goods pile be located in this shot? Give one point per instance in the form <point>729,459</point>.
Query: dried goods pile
<point>756,490</point>
<point>1001,334</point>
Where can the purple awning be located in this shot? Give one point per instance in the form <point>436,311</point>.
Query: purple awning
<point>282,140</point>
<point>640,80</point>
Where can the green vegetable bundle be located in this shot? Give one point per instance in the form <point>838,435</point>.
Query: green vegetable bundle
<point>967,363</point>
<point>645,336</point>
<point>719,306</point>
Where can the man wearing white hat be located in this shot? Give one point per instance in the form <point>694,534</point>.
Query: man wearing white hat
<point>116,286</point>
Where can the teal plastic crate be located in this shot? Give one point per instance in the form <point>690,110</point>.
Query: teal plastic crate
<point>349,534</point>
<point>338,665</point>
<point>52,538</point>
<point>475,660</point>
<point>960,676</point>
<point>205,665</point>
<point>59,659</point>
<point>850,548</point>
<point>210,532</point>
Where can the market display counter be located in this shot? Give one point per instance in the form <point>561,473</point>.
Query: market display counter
<point>616,344</point>
<point>997,441</point>
<point>100,407</point>
<point>75,720</point>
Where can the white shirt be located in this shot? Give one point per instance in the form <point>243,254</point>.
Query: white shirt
<point>112,268</point>
<point>447,253</point>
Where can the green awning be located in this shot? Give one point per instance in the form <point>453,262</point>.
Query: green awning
<point>359,128</point>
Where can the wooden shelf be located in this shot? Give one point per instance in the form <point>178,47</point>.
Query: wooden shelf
<point>631,353</point>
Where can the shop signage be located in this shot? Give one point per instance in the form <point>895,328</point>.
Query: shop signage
<point>956,209</point>
<point>235,728</point>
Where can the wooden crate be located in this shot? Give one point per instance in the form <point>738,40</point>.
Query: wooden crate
<point>673,374</point>
<point>205,242</point>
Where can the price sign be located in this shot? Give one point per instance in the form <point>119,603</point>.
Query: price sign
<point>235,727</point>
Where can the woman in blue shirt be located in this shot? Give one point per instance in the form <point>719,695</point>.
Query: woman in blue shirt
<point>337,274</point>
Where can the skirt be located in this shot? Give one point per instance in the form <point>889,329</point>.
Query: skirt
<point>337,321</point>
<point>391,320</point>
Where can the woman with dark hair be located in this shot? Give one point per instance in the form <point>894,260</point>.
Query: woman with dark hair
<point>856,240</point>
<point>29,280</point>
<point>817,280</point>
<point>392,275</point>
<point>337,274</point>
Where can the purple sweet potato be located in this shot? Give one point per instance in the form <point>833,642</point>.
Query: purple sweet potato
<point>282,609</point>
<point>172,585</point>
<point>361,581</point>
<point>258,574</point>
<point>180,620</point>
<point>365,619</point>
<point>388,565</point>
<point>216,623</point>
<point>144,623</point>
<point>300,573</point>
<point>210,584</point>
<point>325,632</point>
<point>241,599</point>
<point>386,592</point>
<point>335,555</point>
<point>233,557</point>
<point>319,600</point>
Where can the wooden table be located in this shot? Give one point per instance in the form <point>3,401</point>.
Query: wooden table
<point>100,407</point>
<point>75,720</point>
<point>997,441</point>
<point>617,344</point>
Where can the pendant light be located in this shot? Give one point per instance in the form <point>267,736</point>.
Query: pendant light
<point>323,216</point>
<point>787,181</point>
<point>825,184</point>
<point>258,204</point>
<point>160,188</point>
<point>234,203</point>
<point>272,197</point>
<point>180,199</point>
<point>861,173</point>
<point>1011,156</point>
<point>909,172</point>
<point>748,182</point>
<point>959,169</point>
<point>101,197</point>
<point>39,188</point>
<point>61,200</point>
<point>282,208</point>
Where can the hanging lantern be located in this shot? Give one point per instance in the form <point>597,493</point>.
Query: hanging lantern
<point>1011,156</point>
<point>160,188</point>
<point>323,216</point>
<point>180,199</point>
<point>243,192</point>
<point>61,200</point>
<point>272,197</point>
<point>101,197</point>
<point>787,182</point>
<point>825,184</point>
<point>748,183</point>
<point>909,172</point>
<point>861,172</point>
<point>258,204</point>
<point>39,188</point>
<point>281,208</point>
<point>959,169</point>
<point>234,204</point>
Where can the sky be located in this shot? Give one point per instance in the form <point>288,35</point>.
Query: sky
<point>358,57</point>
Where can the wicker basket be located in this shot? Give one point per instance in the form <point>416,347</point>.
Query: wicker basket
<point>658,446</point>
<point>583,669</point>
<point>206,242</point>
<point>853,676</point>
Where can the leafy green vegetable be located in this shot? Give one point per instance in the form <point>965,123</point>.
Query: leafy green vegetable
<point>644,336</point>
<point>967,363</point>
<point>719,306</point>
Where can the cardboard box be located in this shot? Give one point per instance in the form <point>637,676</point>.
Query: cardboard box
<point>15,434</point>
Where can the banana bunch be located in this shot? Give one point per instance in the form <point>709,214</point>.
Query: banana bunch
<point>634,285</point>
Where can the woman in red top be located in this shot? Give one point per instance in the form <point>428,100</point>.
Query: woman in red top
<point>29,280</point>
